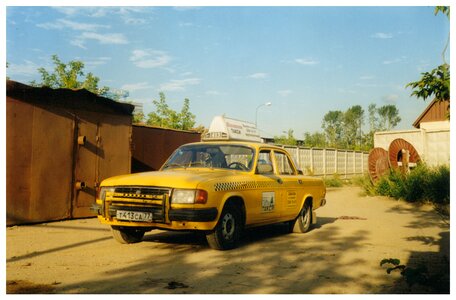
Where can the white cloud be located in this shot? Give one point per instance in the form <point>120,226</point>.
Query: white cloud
<point>127,14</point>
<point>82,26</point>
<point>67,24</point>
<point>382,35</point>
<point>26,69</point>
<point>89,32</point>
<point>390,98</point>
<point>105,38</point>
<point>179,85</point>
<point>258,75</point>
<point>78,43</point>
<point>136,86</point>
<point>133,21</point>
<point>366,77</point>
<point>93,62</point>
<point>306,61</point>
<point>284,93</point>
<point>86,11</point>
<point>149,58</point>
<point>67,10</point>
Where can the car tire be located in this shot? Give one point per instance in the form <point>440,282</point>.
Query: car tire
<point>228,230</point>
<point>302,223</point>
<point>127,235</point>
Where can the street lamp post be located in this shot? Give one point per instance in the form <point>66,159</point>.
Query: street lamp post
<point>256,115</point>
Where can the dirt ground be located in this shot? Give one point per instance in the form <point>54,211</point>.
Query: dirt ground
<point>340,255</point>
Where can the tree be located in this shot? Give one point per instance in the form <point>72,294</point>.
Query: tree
<point>70,75</point>
<point>353,119</point>
<point>389,117</point>
<point>166,117</point>
<point>187,119</point>
<point>138,118</point>
<point>316,139</point>
<point>332,125</point>
<point>289,139</point>
<point>434,83</point>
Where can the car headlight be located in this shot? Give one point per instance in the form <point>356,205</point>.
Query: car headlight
<point>103,190</point>
<point>189,196</point>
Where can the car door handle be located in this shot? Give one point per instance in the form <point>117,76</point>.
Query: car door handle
<point>299,181</point>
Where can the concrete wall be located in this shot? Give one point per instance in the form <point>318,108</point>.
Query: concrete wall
<point>327,162</point>
<point>431,141</point>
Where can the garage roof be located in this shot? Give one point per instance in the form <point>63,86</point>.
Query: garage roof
<point>80,99</point>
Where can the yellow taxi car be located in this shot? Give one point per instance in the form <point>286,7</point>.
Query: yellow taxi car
<point>218,187</point>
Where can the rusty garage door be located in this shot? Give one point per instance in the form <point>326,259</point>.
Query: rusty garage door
<point>102,149</point>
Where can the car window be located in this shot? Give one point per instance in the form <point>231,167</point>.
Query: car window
<point>234,157</point>
<point>264,165</point>
<point>283,164</point>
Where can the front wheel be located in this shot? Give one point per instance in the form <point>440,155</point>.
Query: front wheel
<point>125,235</point>
<point>228,230</point>
<point>303,221</point>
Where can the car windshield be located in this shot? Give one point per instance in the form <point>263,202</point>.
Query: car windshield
<point>232,157</point>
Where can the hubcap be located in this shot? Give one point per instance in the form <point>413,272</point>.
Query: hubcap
<point>305,216</point>
<point>228,225</point>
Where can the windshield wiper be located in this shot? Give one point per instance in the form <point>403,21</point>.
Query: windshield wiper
<point>174,165</point>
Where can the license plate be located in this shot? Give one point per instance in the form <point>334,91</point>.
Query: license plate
<point>134,216</point>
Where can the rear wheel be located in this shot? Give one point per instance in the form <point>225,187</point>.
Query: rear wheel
<point>228,230</point>
<point>126,235</point>
<point>303,221</point>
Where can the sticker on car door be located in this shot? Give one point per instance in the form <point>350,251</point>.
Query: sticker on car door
<point>268,201</point>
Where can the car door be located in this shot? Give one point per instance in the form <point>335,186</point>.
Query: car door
<point>291,191</point>
<point>265,207</point>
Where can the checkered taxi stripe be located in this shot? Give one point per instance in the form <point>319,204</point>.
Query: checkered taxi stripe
<point>247,185</point>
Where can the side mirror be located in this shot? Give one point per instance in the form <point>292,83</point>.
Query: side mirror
<point>300,172</point>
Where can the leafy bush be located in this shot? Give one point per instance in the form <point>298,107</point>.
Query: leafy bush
<point>391,185</point>
<point>421,184</point>
<point>438,186</point>
<point>416,183</point>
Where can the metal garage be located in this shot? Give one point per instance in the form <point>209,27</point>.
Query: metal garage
<point>60,144</point>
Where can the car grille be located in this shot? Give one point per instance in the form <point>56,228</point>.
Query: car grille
<point>141,199</point>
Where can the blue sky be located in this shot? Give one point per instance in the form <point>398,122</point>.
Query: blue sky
<point>229,60</point>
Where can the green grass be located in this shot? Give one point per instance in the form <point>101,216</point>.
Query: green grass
<point>334,181</point>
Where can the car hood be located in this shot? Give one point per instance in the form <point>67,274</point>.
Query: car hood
<point>175,178</point>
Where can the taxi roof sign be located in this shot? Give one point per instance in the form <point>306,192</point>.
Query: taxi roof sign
<point>228,129</point>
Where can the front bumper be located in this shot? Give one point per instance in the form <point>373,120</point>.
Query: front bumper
<point>182,214</point>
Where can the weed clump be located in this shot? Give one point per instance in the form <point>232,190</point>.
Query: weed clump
<point>421,184</point>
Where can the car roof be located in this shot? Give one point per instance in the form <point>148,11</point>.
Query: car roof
<point>243,143</point>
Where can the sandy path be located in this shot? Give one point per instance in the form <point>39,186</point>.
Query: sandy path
<point>339,255</point>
